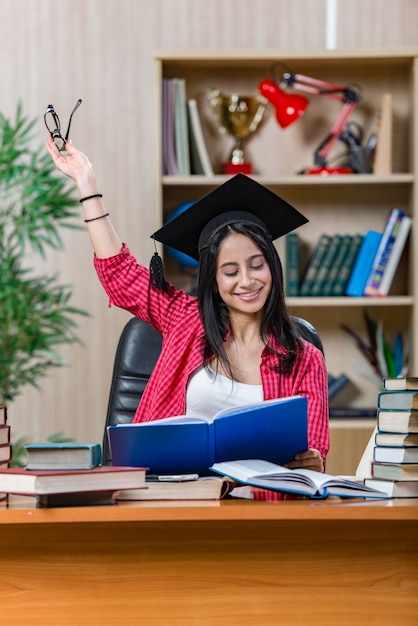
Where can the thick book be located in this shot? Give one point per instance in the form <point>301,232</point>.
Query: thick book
<point>3,414</point>
<point>258,473</point>
<point>406,399</point>
<point>325,266</point>
<point>39,482</point>
<point>395,471</point>
<point>203,488</point>
<point>76,498</point>
<point>292,264</point>
<point>394,488</point>
<point>275,430</point>
<point>400,440</point>
<point>395,454</point>
<point>4,434</point>
<point>199,157</point>
<point>5,453</point>
<point>363,264</point>
<point>314,264</point>
<point>409,383</point>
<point>382,255</point>
<point>63,455</point>
<point>336,266</point>
<point>347,265</point>
<point>393,421</point>
<point>395,256</point>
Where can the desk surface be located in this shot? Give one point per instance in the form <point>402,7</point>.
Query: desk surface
<point>23,511</point>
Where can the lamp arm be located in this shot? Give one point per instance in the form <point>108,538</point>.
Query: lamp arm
<point>322,151</point>
<point>317,87</point>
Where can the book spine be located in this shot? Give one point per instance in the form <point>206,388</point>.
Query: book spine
<point>347,266</point>
<point>383,252</point>
<point>314,264</point>
<point>333,272</point>
<point>292,264</point>
<point>169,157</point>
<point>199,155</point>
<point>181,130</point>
<point>342,412</point>
<point>394,256</point>
<point>329,257</point>
<point>363,264</point>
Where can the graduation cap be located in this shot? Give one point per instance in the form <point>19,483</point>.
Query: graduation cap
<point>240,200</point>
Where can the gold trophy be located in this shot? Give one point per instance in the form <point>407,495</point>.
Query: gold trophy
<point>239,116</point>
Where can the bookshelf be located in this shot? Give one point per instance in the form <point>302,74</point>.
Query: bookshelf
<point>349,203</point>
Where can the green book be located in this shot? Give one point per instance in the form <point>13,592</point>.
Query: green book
<point>292,265</point>
<point>327,262</point>
<point>335,268</point>
<point>347,266</point>
<point>314,264</point>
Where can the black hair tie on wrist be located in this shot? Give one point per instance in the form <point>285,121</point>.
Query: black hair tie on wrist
<point>94,195</point>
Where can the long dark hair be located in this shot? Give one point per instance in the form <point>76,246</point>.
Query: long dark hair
<point>275,322</point>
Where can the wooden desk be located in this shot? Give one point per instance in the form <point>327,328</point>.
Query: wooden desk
<point>213,563</point>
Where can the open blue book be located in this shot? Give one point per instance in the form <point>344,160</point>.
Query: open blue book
<point>274,430</point>
<point>258,473</point>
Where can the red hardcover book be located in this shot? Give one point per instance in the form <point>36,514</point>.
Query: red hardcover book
<point>41,482</point>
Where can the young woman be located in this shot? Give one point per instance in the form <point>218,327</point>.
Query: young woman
<point>233,344</point>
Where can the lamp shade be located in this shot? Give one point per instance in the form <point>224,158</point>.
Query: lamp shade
<point>289,107</point>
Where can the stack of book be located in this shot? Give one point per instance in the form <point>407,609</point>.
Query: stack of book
<point>69,474</point>
<point>394,467</point>
<point>353,265</point>
<point>5,447</point>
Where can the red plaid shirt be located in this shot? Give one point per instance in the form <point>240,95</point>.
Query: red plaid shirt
<point>175,315</point>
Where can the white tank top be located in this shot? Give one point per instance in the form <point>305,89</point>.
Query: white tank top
<point>209,392</point>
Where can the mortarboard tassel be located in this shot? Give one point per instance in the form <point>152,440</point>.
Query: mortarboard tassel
<point>156,269</point>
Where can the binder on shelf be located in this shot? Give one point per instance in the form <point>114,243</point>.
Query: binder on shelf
<point>382,255</point>
<point>363,264</point>
<point>395,256</point>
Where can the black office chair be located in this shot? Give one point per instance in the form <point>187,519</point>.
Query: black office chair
<point>136,355</point>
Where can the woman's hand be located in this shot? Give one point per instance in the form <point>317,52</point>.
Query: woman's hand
<point>73,164</point>
<point>310,459</point>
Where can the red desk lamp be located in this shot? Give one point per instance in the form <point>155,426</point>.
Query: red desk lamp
<point>291,106</point>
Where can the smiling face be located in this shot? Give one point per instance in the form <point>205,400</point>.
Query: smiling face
<point>243,276</point>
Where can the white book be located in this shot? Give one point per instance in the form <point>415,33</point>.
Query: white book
<point>395,255</point>
<point>199,154</point>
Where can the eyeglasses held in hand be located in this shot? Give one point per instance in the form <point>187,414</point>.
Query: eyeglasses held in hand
<point>52,122</point>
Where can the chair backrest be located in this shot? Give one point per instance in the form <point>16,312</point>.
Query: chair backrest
<point>136,355</point>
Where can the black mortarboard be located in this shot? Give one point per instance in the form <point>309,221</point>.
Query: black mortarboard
<point>240,199</point>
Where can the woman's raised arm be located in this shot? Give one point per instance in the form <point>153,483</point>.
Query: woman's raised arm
<point>77,166</point>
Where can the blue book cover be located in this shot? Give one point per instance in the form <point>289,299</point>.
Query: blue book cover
<point>363,264</point>
<point>274,430</point>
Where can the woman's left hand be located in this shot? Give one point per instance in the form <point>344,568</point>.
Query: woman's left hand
<point>310,459</point>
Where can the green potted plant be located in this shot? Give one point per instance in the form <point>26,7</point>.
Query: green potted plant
<point>35,312</point>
